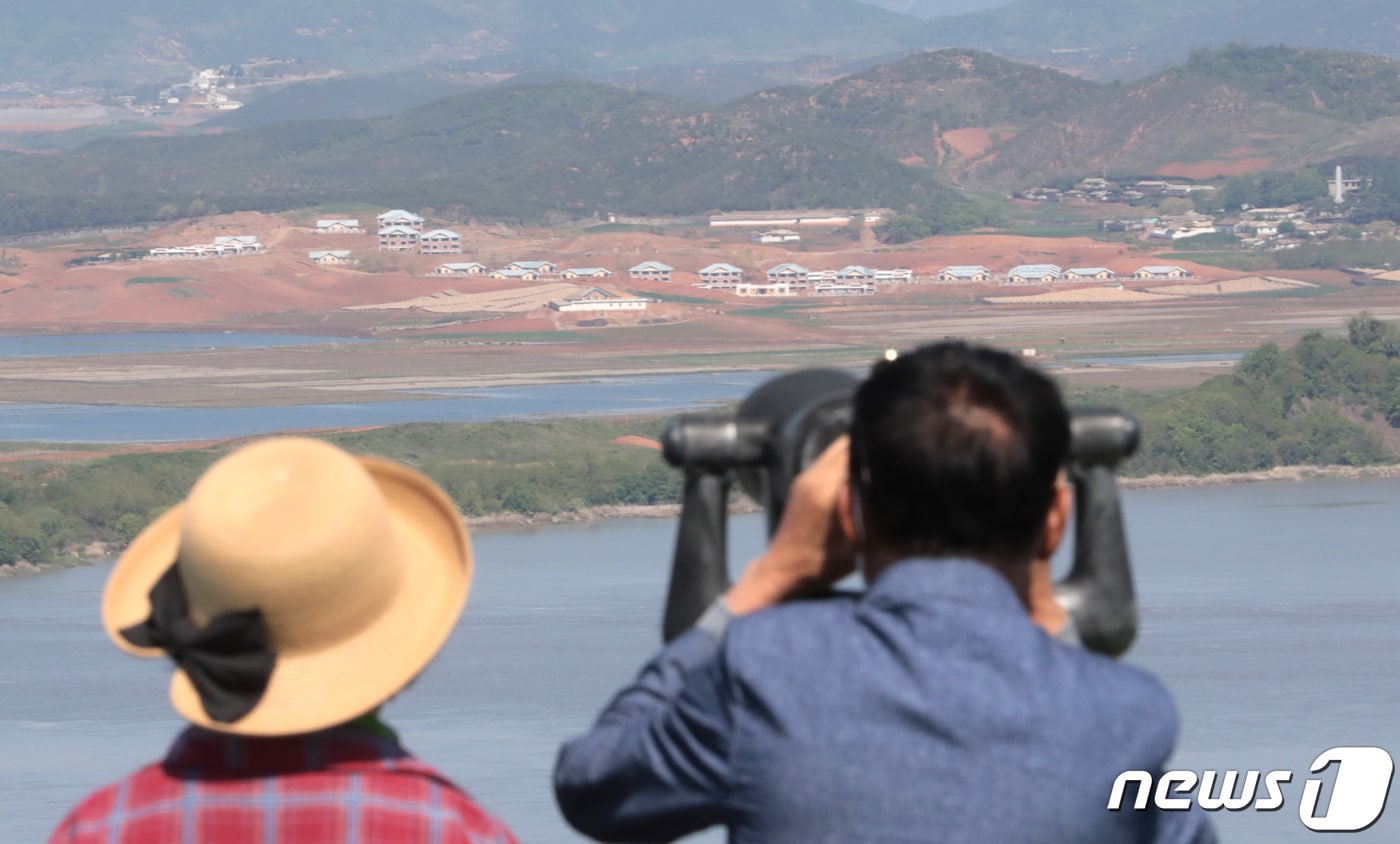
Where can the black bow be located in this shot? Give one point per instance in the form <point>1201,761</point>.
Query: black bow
<point>229,660</point>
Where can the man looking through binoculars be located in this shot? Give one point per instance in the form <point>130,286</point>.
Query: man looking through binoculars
<point>931,708</point>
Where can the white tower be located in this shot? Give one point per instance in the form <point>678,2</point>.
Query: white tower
<point>1337,192</point>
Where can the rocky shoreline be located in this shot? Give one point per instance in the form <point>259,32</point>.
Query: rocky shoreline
<point>1278,473</point>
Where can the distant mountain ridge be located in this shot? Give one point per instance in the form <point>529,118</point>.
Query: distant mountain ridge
<point>1236,109</point>
<point>890,136</point>
<point>117,44</point>
<point>1140,35</point>
<point>104,41</point>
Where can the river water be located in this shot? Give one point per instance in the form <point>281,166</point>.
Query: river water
<point>1272,611</point>
<point>122,424</point>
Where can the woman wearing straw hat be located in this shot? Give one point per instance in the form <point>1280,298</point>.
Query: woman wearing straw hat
<point>296,589</point>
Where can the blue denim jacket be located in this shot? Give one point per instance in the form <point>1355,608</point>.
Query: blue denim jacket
<point>930,709</point>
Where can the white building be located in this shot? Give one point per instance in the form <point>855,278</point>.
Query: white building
<point>965,274</point>
<point>400,217</point>
<point>338,227</point>
<point>459,269</point>
<point>1034,274</point>
<point>651,271</point>
<point>842,288</point>
<point>777,288</point>
<point>598,299</point>
<point>721,276</point>
<point>1088,274</point>
<point>440,242</point>
<point>331,257</point>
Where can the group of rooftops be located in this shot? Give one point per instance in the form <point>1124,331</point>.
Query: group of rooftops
<point>1051,272</point>
<point>401,223</point>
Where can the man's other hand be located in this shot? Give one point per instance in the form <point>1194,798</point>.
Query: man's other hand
<point>813,547</point>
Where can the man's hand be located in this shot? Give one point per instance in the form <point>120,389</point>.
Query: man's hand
<point>811,550</point>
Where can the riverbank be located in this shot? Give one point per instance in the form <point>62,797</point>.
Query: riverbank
<point>508,522</point>
<point>1278,473</point>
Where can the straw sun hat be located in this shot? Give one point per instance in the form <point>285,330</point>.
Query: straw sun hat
<point>354,570</point>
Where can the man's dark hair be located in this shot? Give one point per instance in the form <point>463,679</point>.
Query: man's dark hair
<point>956,449</point>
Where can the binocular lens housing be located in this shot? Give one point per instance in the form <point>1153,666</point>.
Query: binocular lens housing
<point>788,421</point>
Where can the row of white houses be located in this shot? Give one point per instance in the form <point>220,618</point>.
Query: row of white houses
<point>222,247</point>
<point>1050,273</point>
<point>520,271</point>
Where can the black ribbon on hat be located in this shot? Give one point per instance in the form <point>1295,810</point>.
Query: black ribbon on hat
<point>229,660</point>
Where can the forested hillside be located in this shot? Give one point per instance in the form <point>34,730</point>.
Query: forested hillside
<point>497,467</point>
<point>893,136</point>
<point>517,153</point>
<point>1283,407</point>
<point>1233,109</point>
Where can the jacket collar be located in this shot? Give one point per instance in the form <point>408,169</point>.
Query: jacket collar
<point>920,580</point>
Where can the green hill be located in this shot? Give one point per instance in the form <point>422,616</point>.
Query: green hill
<point>513,153</point>
<point>890,136</point>
<point>1228,109</point>
<point>905,107</point>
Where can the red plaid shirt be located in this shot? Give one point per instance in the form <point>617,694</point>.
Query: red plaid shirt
<point>343,785</point>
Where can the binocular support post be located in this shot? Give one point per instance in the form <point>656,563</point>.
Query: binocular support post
<point>700,567</point>
<point>1098,591</point>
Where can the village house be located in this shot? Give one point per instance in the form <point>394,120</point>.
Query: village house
<point>160,253</point>
<point>1291,212</point>
<point>338,227</point>
<point>855,273</point>
<point>651,271</point>
<point>901,275</point>
<point>776,236</point>
<point>965,274</point>
<point>794,274</point>
<point>236,244</point>
<point>459,269</point>
<point>516,274</point>
<point>331,257</point>
<point>398,239</point>
<point>1034,274</point>
<point>586,272</point>
<point>440,242</point>
<point>598,299</point>
<point>1161,273</point>
<point>779,288</point>
<point>539,268</point>
<point>1255,229</point>
<point>223,246</point>
<point>852,273</point>
<point>400,217</point>
<point>1165,233</point>
<point>842,288</point>
<point>1088,274</point>
<point>721,276</point>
